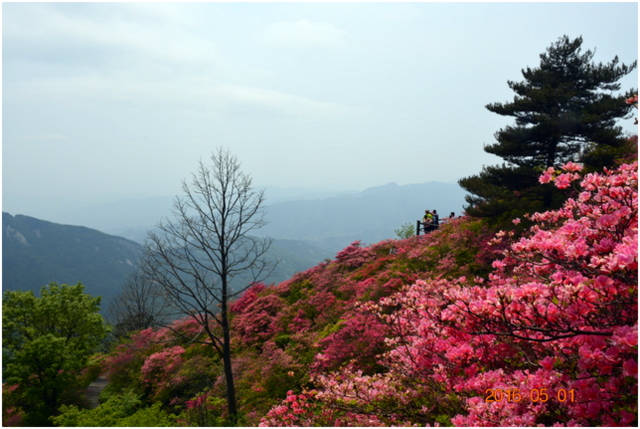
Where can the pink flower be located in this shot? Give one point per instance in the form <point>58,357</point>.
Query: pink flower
<point>547,176</point>
<point>630,368</point>
<point>498,264</point>
<point>626,418</point>
<point>547,363</point>
<point>626,336</point>
<point>571,167</point>
<point>563,180</point>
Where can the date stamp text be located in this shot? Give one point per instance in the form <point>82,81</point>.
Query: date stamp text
<point>534,395</point>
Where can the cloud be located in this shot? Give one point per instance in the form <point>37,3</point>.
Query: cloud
<point>191,93</point>
<point>108,58</point>
<point>38,137</point>
<point>303,34</point>
<point>278,101</point>
<point>78,40</point>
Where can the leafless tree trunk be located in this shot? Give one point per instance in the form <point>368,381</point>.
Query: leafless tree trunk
<point>195,258</point>
<point>138,306</point>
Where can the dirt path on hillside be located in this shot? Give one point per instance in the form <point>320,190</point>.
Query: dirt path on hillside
<point>94,389</point>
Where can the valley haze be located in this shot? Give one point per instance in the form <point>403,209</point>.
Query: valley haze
<point>99,245</point>
<point>330,220</point>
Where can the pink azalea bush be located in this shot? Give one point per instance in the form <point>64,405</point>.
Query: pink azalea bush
<point>205,409</point>
<point>553,328</point>
<point>423,331</point>
<point>160,369</point>
<point>308,325</point>
<point>162,364</point>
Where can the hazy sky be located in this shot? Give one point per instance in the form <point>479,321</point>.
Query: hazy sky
<point>102,101</point>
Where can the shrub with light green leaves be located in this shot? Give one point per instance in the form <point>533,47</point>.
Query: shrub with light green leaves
<point>120,410</point>
<point>406,230</point>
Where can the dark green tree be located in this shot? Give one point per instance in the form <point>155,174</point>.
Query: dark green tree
<point>46,342</point>
<point>564,110</point>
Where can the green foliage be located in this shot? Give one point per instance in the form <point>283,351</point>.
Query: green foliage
<point>281,379</point>
<point>282,340</point>
<point>297,291</point>
<point>107,414</point>
<point>406,230</point>
<point>204,410</point>
<point>93,369</point>
<point>331,329</point>
<point>48,341</point>
<point>153,416</point>
<point>596,155</point>
<point>120,410</point>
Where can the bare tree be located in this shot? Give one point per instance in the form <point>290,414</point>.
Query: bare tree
<point>195,258</point>
<point>139,305</point>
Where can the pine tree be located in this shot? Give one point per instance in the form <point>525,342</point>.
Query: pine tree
<point>564,110</point>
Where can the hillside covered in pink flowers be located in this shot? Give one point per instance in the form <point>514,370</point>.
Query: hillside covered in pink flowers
<point>463,326</point>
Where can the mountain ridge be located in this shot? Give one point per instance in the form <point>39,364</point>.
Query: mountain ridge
<point>36,252</point>
<point>134,216</point>
<point>370,216</point>
<point>329,222</point>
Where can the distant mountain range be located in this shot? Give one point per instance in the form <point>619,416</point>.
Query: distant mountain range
<point>324,219</point>
<point>370,216</point>
<point>306,231</point>
<point>36,252</point>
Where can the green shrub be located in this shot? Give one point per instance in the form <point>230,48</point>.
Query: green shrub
<point>118,410</point>
<point>153,416</point>
<point>406,230</point>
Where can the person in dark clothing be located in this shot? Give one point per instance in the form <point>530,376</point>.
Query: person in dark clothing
<point>449,218</point>
<point>436,219</point>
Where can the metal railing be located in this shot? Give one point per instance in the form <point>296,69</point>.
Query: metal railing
<point>425,228</point>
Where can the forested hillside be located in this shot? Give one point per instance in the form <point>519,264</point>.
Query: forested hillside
<point>36,252</point>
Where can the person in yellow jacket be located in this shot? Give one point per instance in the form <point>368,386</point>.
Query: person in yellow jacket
<point>427,221</point>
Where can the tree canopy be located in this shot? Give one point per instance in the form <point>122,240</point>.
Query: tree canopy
<point>46,342</point>
<point>564,110</point>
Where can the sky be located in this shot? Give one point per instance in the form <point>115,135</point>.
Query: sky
<point>108,101</point>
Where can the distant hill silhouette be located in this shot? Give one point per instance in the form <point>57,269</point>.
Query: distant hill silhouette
<point>371,215</point>
<point>330,221</point>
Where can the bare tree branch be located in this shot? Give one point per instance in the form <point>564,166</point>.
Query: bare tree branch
<point>205,255</point>
<point>138,306</point>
